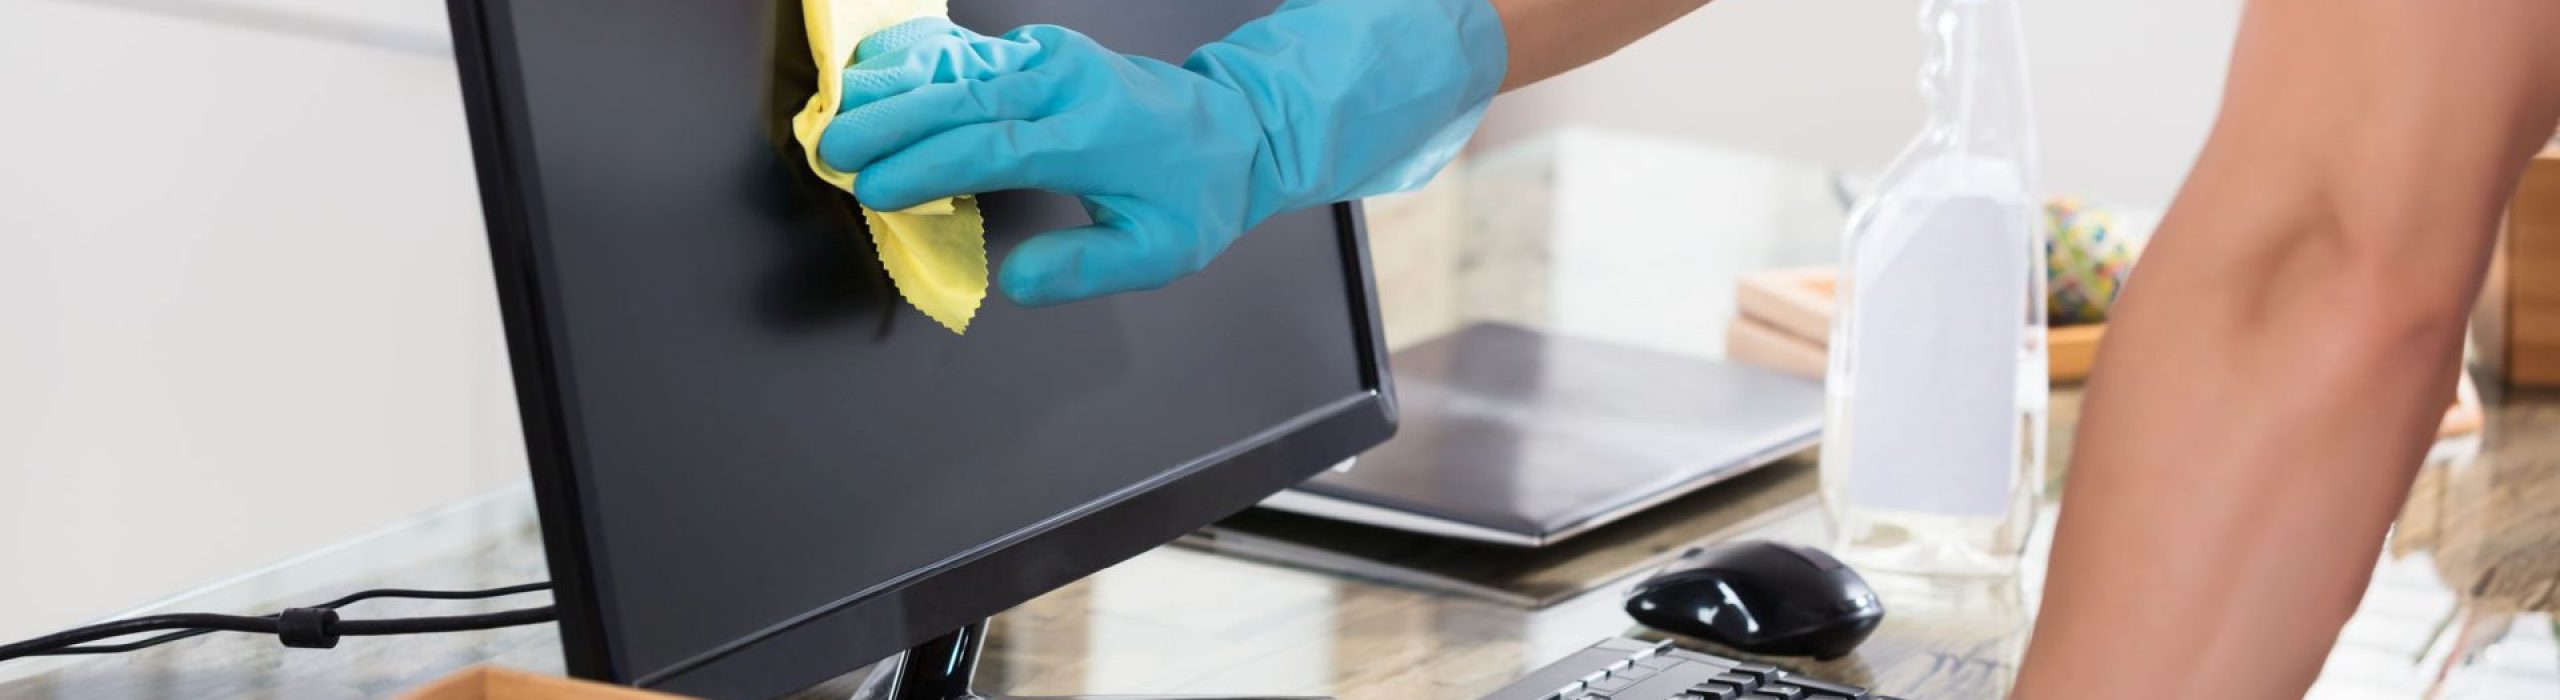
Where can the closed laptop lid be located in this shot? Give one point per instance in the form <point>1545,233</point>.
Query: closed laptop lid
<point>1536,434</point>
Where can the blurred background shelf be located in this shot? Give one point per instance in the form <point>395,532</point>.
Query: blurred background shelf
<point>1785,323</point>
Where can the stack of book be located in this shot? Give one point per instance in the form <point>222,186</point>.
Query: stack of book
<point>1783,322</point>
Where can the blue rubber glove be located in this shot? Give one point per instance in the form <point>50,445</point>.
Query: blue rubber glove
<point>1320,102</point>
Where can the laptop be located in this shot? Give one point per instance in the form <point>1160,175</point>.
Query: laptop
<point>1517,437</point>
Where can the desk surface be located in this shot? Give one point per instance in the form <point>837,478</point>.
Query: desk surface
<point>2473,571</point>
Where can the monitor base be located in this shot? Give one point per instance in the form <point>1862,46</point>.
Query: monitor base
<point>942,669</point>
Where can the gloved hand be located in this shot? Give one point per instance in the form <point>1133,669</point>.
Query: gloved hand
<point>1323,101</point>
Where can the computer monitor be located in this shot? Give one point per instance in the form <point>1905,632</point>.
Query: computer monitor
<point>758,468</point>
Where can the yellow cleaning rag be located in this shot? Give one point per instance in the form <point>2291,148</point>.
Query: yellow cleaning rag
<point>935,252</point>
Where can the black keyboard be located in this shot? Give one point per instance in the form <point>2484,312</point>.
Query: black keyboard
<point>1631,669</point>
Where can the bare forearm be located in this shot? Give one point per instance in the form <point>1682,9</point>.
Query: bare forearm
<point>1549,37</point>
<point>2278,365</point>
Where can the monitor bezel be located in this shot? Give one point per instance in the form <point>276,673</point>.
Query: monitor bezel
<point>865,626</point>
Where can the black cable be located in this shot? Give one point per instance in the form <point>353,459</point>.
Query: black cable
<point>434,625</point>
<point>136,645</point>
<point>350,599</point>
<point>362,596</point>
<point>119,628</point>
<point>315,626</point>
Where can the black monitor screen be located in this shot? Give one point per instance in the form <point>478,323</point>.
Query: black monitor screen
<point>745,438</point>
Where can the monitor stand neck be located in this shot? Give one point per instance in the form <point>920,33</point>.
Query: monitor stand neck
<point>943,668</point>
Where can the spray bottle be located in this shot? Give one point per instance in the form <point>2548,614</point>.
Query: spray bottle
<point>1934,450</point>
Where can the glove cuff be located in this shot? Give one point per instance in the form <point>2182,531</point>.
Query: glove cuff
<point>1486,51</point>
<point>1357,98</point>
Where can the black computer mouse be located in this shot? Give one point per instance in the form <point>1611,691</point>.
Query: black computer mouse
<point>1761,597</point>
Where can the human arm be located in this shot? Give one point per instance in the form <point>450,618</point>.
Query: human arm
<point>1549,37</point>
<point>2277,367</point>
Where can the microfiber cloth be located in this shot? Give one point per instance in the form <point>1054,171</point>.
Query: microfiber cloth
<point>935,252</point>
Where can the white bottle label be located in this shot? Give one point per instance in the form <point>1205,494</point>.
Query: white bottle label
<point>1941,326</point>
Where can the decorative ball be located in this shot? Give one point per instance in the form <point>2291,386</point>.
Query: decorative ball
<point>2087,257</point>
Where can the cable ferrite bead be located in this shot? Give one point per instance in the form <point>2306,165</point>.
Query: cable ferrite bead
<point>307,628</point>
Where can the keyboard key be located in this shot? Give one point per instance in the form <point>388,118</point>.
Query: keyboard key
<point>1744,681</point>
<point>1827,687</point>
<point>1546,683</point>
<point>1764,672</point>
<point>1695,657</point>
<point>1667,683</point>
<point>1659,662</point>
<point>1627,669</point>
<point>1726,690</point>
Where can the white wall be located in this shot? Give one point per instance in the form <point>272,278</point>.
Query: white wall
<point>2124,90</point>
<point>245,305</point>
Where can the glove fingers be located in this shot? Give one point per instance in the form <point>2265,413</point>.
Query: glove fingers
<point>1082,263</point>
<point>858,138</point>
<point>972,159</point>
<point>926,51</point>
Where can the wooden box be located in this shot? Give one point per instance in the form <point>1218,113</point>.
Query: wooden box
<point>493,683</point>
<point>2516,328</point>
<point>1784,323</point>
